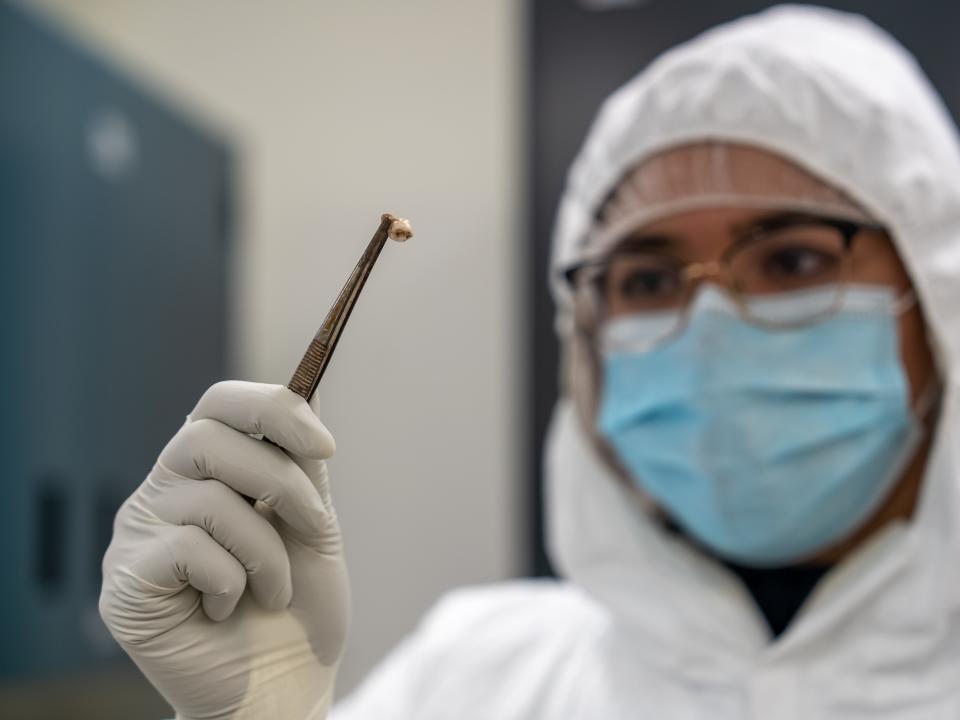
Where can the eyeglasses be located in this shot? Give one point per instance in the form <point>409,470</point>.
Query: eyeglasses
<point>789,256</point>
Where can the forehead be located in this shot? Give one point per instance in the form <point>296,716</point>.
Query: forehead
<point>719,220</point>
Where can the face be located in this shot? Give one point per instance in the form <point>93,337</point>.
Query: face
<point>706,238</point>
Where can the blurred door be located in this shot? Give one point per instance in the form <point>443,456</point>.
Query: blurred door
<point>114,237</point>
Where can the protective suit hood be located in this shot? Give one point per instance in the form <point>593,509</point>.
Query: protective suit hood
<point>840,98</point>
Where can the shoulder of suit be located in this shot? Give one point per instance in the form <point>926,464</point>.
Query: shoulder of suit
<point>502,618</point>
<point>484,652</point>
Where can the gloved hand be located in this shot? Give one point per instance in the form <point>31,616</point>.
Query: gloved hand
<point>234,610</point>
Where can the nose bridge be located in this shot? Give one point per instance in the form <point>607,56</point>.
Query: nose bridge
<point>696,273</point>
<point>703,304</point>
<point>708,285</point>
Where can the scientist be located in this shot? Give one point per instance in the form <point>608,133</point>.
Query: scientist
<point>753,486</point>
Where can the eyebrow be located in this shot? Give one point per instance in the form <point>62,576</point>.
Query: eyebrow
<point>771,221</point>
<point>641,240</point>
<point>648,241</point>
<point>740,232</point>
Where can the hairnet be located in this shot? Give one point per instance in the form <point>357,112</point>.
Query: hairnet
<point>713,174</point>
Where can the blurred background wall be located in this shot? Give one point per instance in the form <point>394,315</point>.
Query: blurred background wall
<point>334,112</point>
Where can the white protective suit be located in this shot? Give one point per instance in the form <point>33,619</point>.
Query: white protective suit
<point>644,626</point>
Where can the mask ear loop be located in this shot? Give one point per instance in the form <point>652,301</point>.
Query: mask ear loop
<point>929,399</point>
<point>905,302</point>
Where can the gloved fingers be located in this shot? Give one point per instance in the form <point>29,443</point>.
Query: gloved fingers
<point>187,555</point>
<point>206,449</point>
<point>236,526</point>
<point>272,410</point>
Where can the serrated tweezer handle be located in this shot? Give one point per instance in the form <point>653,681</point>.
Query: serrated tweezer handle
<point>315,360</point>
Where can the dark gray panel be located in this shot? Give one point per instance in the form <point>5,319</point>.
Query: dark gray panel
<point>113,213</point>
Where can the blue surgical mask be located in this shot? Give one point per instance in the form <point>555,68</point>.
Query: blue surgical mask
<point>764,445</point>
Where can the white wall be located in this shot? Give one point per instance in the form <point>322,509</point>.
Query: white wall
<point>341,110</point>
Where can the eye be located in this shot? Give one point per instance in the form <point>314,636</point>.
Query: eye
<point>799,263</point>
<point>648,282</point>
<point>793,258</point>
<point>640,282</point>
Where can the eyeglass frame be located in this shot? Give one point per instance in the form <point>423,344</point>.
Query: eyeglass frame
<point>847,228</point>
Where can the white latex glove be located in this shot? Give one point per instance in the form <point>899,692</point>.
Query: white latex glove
<point>234,610</point>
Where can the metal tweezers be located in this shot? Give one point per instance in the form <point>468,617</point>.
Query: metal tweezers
<point>315,360</point>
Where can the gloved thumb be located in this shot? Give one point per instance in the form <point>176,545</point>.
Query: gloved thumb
<point>278,413</point>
